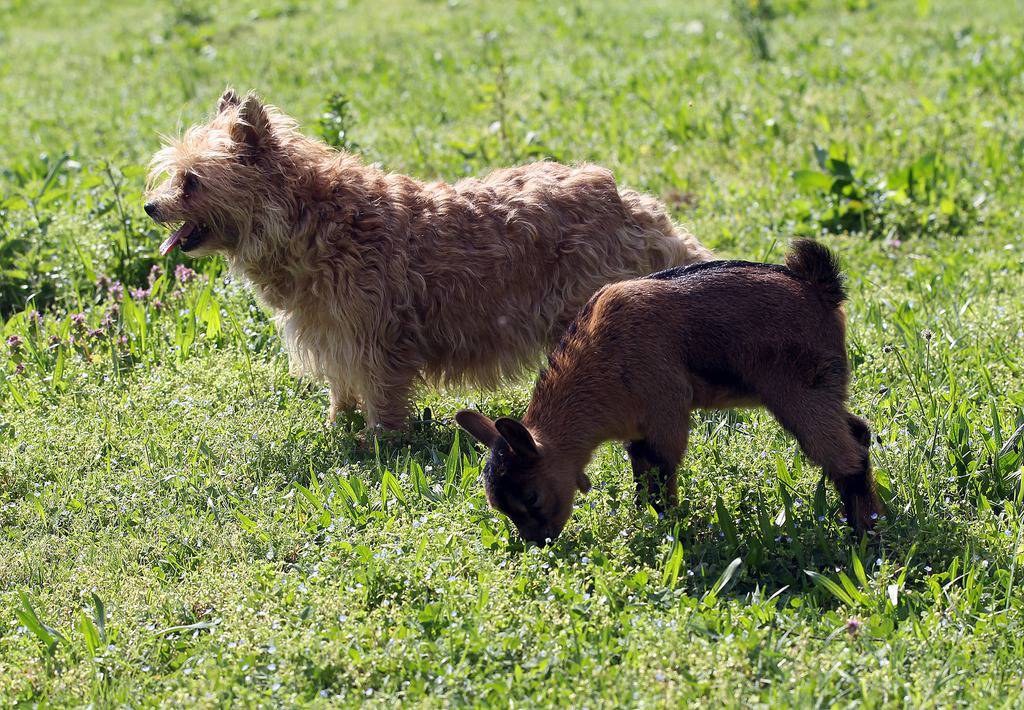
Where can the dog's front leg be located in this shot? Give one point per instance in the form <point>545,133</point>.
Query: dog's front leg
<point>388,405</point>
<point>343,401</point>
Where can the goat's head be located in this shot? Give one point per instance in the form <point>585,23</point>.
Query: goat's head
<point>526,481</point>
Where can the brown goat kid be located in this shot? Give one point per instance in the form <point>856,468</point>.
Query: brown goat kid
<point>643,354</point>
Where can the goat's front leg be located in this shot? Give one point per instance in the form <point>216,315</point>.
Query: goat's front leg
<point>655,459</point>
<point>654,474</point>
<point>643,472</point>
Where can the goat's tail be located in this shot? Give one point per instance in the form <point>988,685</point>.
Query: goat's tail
<point>816,263</point>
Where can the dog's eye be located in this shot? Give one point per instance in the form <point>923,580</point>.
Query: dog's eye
<point>190,184</point>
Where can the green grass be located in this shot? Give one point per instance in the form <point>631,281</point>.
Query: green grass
<point>178,526</point>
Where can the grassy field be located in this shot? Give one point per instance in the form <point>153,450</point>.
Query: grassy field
<point>178,526</point>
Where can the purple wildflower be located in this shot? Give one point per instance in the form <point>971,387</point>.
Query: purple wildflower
<point>183,273</point>
<point>14,343</point>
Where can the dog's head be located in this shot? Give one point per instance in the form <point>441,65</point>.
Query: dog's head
<point>535,488</point>
<point>218,184</point>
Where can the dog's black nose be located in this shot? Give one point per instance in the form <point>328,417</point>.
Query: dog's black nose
<point>151,209</point>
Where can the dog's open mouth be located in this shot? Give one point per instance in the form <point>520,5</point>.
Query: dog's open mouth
<point>187,236</point>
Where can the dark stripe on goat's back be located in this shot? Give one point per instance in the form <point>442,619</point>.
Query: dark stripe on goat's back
<point>680,272</point>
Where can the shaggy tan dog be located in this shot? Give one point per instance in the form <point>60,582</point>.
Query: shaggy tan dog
<point>380,281</point>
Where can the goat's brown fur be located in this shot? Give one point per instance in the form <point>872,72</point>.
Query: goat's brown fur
<point>643,354</point>
<point>379,281</point>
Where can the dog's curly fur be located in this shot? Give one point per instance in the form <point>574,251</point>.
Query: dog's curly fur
<point>379,281</point>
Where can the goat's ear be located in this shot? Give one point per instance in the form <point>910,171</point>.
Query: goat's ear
<point>253,125</point>
<point>583,482</point>
<point>479,427</point>
<point>229,99</point>
<point>519,438</point>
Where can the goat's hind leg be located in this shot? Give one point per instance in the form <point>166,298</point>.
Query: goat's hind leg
<point>838,441</point>
<point>860,429</point>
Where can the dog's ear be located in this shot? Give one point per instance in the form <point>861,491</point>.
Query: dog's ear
<point>253,125</point>
<point>229,99</point>
<point>479,427</point>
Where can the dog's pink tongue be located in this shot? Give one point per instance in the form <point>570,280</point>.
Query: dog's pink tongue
<point>172,241</point>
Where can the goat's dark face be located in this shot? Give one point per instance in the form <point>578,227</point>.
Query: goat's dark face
<point>524,482</point>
